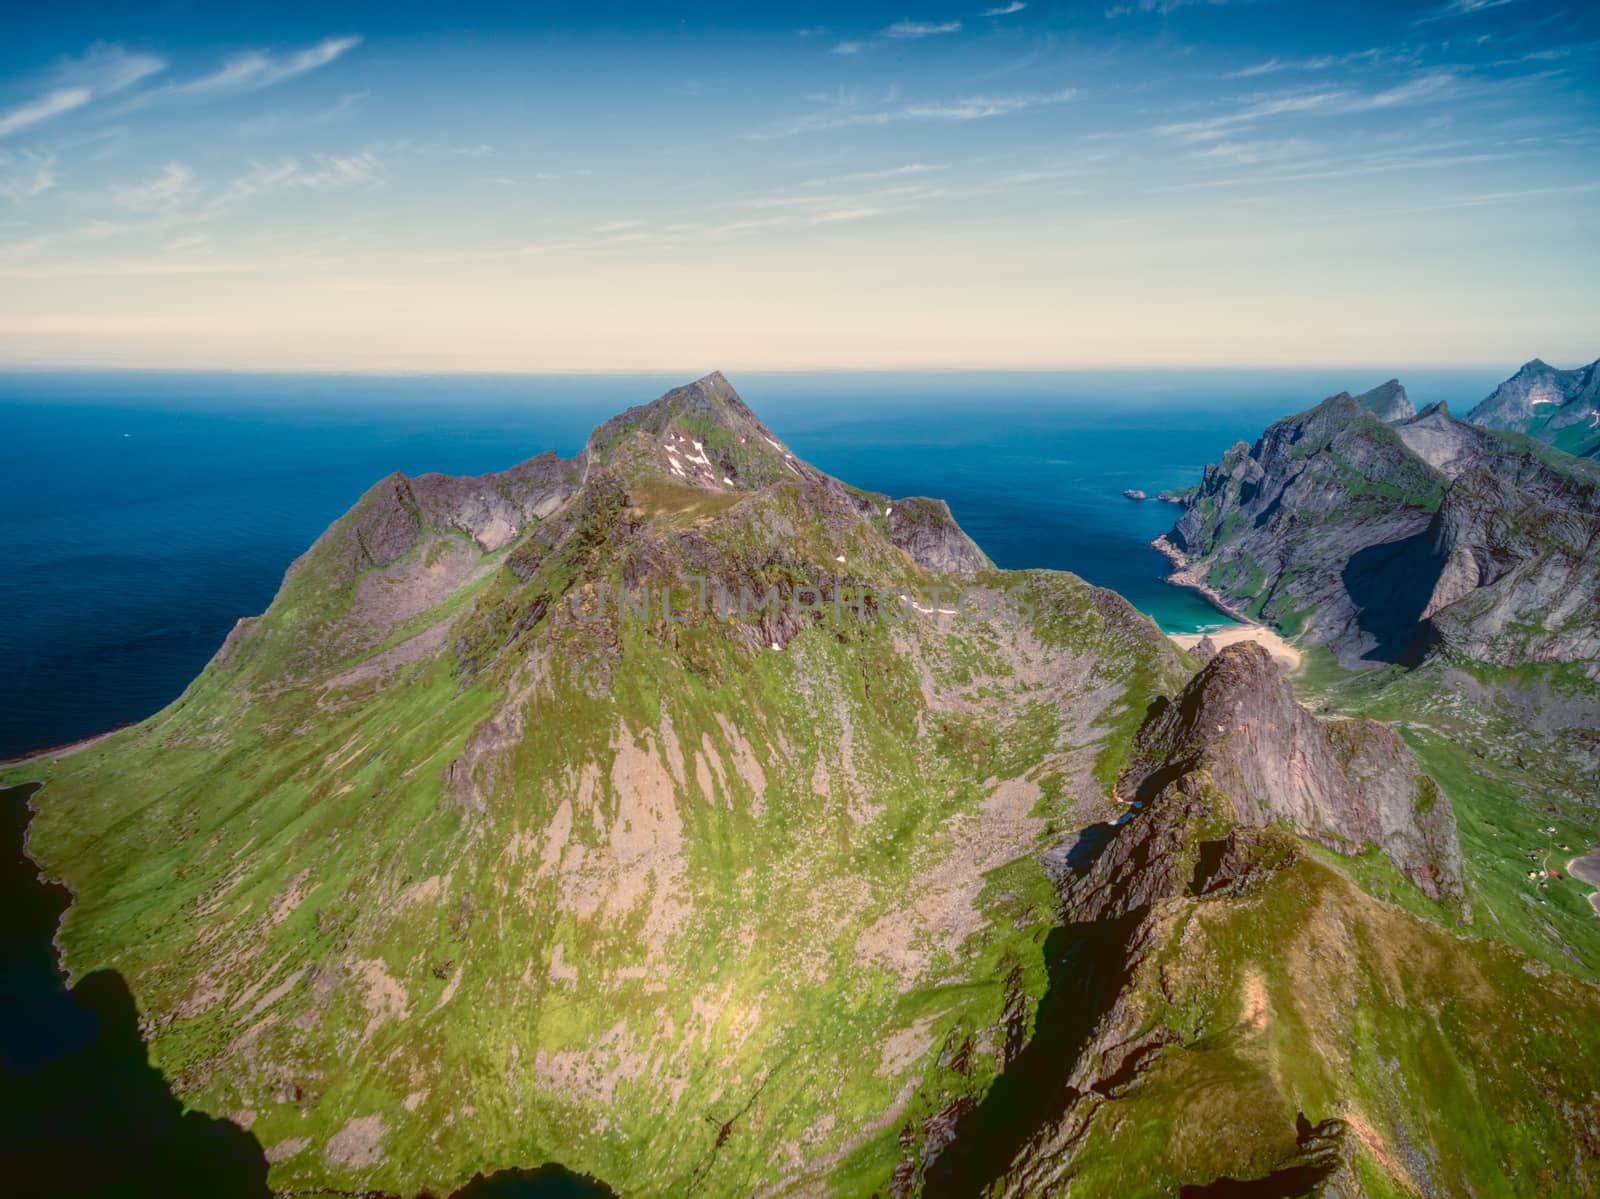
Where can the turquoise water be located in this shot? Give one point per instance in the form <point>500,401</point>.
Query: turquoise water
<point>142,512</point>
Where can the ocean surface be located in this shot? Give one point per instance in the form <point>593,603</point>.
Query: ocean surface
<point>142,512</point>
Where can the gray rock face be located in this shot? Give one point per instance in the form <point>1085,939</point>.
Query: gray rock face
<point>1555,406</point>
<point>1520,574</point>
<point>1388,402</point>
<point>1237,749</point>
<point>1391,542</point>
<point>1286,528</point>
<point>490,509</point>
<point>927,532</point>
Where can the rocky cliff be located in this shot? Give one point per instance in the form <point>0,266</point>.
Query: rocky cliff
<point>1236,738</point>
<point>1391,541</point>
<point>636,810</point>
<point>1561,407</point>
<point>1231,1016</point>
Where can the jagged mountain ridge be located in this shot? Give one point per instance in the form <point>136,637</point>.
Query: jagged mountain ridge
<point>1561,407</point>
<point>1388,541</point>
<point>450,863</point>
<point>454,861</point>
<point>1237,735</point>
<point>1256,1024</point>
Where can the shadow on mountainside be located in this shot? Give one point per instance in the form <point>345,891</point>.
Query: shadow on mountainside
<point>1086,971</point>
<point>549,1181</point>
<point>1390,585</point>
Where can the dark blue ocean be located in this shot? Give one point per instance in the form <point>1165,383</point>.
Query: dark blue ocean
<point>142,512</point>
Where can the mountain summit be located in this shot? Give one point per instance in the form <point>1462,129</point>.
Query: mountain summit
<point>643,810</point>
<point>1561,407</point>
<point>686,816</point>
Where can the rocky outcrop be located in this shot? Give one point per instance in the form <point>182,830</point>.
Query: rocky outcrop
<point>1389,542</point>
<point>1519,579</point>
<point>1302,529</point>
<point>1388,402</point>
<point>398,512</point>
<point>1561,407</point>
<point>1236,749</point>
<point>926,531</point>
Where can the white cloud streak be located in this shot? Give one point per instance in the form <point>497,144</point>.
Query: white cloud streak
<point>1015,6</point>
<point>1332,102</point>
<point>51,104</point>
<point>251,71</point>
<point>970,108</point>
<point>26,175</point>
<point>103,70</point>
<point>911,30</point>
<point>171,189</point>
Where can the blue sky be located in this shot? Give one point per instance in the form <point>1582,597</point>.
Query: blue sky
<point>591,186</point>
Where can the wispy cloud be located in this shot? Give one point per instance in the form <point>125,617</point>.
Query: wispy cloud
<point>1511,197</point>
<point>1324,62</point>
<point>875,176</point>
<point>171,189</point>
<point>1005,11</point>
<point>1431,85</point>
<point>1209,128</point>
<point>1460,8</point>
<point>51,104</point>
<point>918,29</point>
<point>1157,6</point>
<point>277,122</point>
<point>319,173</point>
<point>102,71</point>
<point>969,108</point>
<point>848,48</point>
<point>25,175</point>
<point>839,216</point>
<point>1318,171</point>
<point>1253,153</point>
<point>255,70</point>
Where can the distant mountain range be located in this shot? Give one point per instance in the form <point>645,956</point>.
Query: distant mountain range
<point>1388,535</point>
<point>1556,406</point>
<point>685,815</point>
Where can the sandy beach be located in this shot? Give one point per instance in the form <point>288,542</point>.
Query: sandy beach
<point>1275,645</point>
<point>1245,630</point>
<point>1587,869</point>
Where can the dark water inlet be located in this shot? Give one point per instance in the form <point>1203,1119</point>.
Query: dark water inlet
<point>82,1111</point>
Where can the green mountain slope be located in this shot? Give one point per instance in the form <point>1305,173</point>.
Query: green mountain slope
<point>456,860</point>
<point>686,816</point>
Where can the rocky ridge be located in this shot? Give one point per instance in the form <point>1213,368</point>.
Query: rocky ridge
<point>1561,407</point>
<point>1391,541</point>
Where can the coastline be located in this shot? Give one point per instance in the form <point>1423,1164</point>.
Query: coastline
<point>51,752</point>
<point>1245,630</point>
<point>1182,576</point>
<point>1586,869</point>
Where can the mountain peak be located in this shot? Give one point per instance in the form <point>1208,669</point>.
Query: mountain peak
<point>1388,402</point>
<point>701,434</point>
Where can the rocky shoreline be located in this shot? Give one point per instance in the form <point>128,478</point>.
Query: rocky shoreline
<point>1182,576</point>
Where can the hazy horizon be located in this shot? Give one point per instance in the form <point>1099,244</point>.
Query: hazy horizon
<point>958,186</point>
